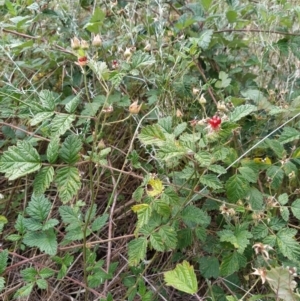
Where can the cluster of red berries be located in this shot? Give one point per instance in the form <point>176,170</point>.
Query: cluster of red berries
<point>215,122</point>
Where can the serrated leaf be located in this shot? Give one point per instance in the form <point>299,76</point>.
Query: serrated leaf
<point>237,188</point>
<point>162,208</point>
<point>99,222</point>
<point>47,100</point>
<point>157,242</point>
<point>70,149</point>
<point>43,180</point>
<point>169,236</point>
<point>204,39</point>
<point>231,263</point>
<point>32,224</point>
<point>285,213</point>
<point>239,238</point>
<point>287,244</point>
<point>39,208</point>
<point>73,103</point>
<point>137,250</point>
<point>295,207</point>
<point>143,213</point>
<point>46,273</point>
<point>211,181</point>
<point>224,81</point>
<point>138,194</point>
<point>152,134</point>
<point>241,111</point>
<point>249,174</point>
<point>61,123</point>
<point>166,124</point>
<point>255,198</point>
<point>171,150</point>
<point>52,150</point>
<point>169,196</point>
<point>209,267</point>
<point>276,174</point>
<point>191,214</point>
<point>42,283</point>
<point>179,129</point>
<point>20,160</point>
<point>69,215</point>
<point>45,241</point>
<point>68,182</point>
<point>141,59</point>
<point>182,278</point>
<point>49,224</point>
<point>283,199</point>
<point>218,169</point>
<point>204,158</point>
<point>288,134</point>
<point>3,260</point>
<point>24,291</point>
<point>260,231</point>
<point>2,283</point>
<point>276,146</point>
<point>29,274</point>
<point>39,117</point>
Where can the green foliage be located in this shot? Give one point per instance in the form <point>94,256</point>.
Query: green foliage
<point>139,136</point>
<point>182,278</point>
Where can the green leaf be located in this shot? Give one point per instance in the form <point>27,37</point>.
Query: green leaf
<point>70,149</point>
<point>285,213</point>
<point>39,208</point>
<point>241,111</point>
<point>141,59</point>
<point>182,278</point>
<point>3,260</point>
<point>276,147</point>
<point>45,241</point>
<point>276,174</point>
<point>19,160</point>
<point>2,284</point>
<point>223,82</point>
<point>255,198</point>
<point>192,214</point>
<point>61,123</point>
<point>211,181</point>
<point>179,129</point>
<point>95,23</point>
<point>287,244</point>
<point>69,215</point>
<point>260,231</point>
<point>47,100</point>
<point>162,208</point>
<point>42,283</point>
<point>157,242</point>
<point>137,250</point>
<point>231,263</point>
<point>169,237</point>
<point>32,224</point>
<point>283,199</point>
<point>209,267</point>
<point>152,134</point>
<point>68,182</point>
<point>218,169</point>
<point>39,117</point>
<point>206,4</point>
<point>237,188</point>
<point>288,134</point>
<point>99,222</point>
<point>249,174</point>
<point>52,150</point>
<point>239,238</point>
<point>204,39</point>
<point>50,224</point>
<point>24,291</point>
<point>43,180</point>
<point>295,207</point>
<point>73,103</point>
<point>171,150</point>
<point>231,16</point>
<point>170,196</point>
<point>201,233</point>
<point>138,194</point>
<point>29,274</point>
<point>204,158</point>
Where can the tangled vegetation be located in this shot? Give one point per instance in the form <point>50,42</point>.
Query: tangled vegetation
<point>149,150</point>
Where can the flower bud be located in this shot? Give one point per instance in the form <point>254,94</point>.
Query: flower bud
<point>84,44</point>
<point>202,99</point>
<point>97,41</point>
<point>101,144</point>
<point>195,91</point>
<point>147,47</point>
<point>75,43</point>
<point>134,108</point>
<point>127,52</point>
<point>179,114</point>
